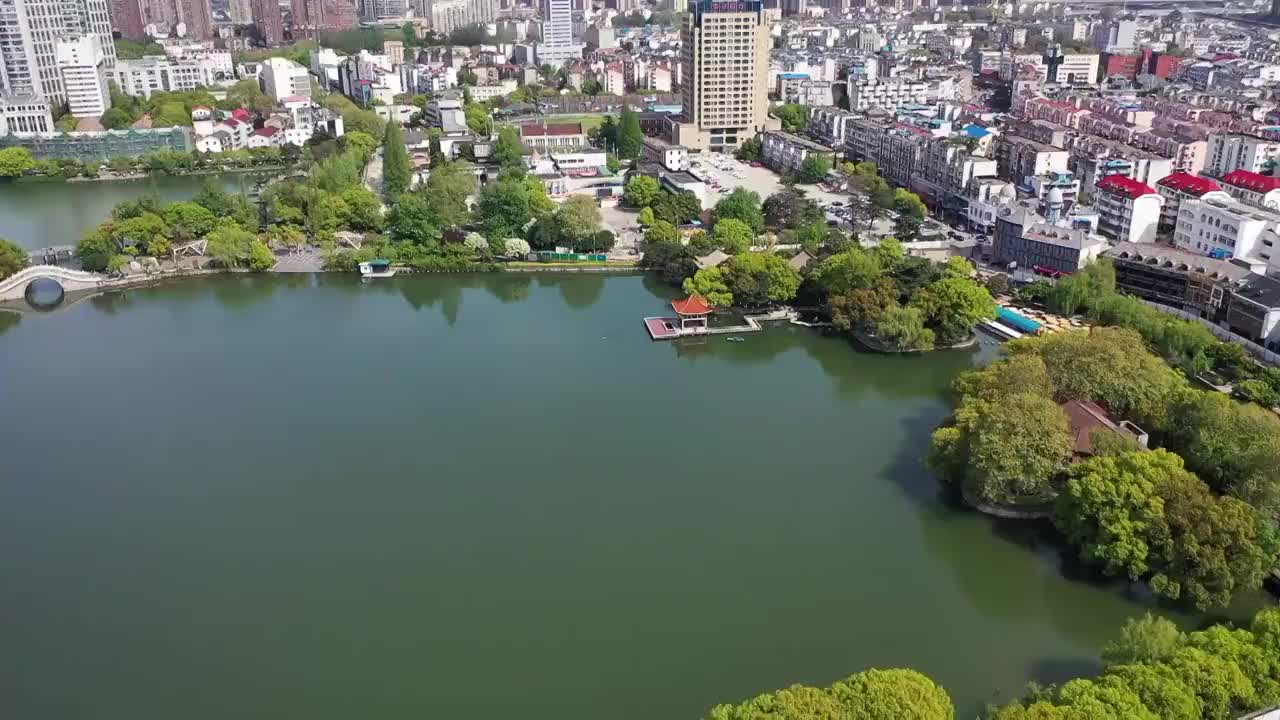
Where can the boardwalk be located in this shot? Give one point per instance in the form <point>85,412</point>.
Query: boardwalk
<point>661,328</point>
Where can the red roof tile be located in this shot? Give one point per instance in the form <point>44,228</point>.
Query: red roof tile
<point>1125,185</point>
<point>1189,184</point>
<point>540,130</point>
<point>266,131</point>
<point>692,305</point>
<point>1247,180</point>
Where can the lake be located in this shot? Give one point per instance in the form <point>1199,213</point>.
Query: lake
<point>44,214</point>
<point>488,496</point>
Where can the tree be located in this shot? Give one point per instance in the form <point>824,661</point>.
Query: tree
<point>843,272</point>
<point>857,309</point>
<point>1006,450</point>
<point>478,120</point>
<point>789,208</point>
<point>1234,447</point>
<point>230,247</point>
<point>892,695</point>
<point>798,702</point>
<point>1160,690</point>
<point>509,151</point>
<point>761,278</point>
<point>601,241</point>
<point>397,170</point>
<point>677,208</point>
<point>741,204</point>
<point>641,191</point>
<point>12,258</point>
<point>15,162</point>
<point>911,213</point>
<point>661,232</point>
<point>364,211</point>
<point>751,150</point>
<point>415,220</point>
<point>361,143</point>
<point>794,117</point>
<point>813,169</point>
<point>710,284</point>
<point>645,218</point>
<point>260,257</point>
<point>630,138</point>
<point>1110,366</point>
<point>96,249</point>
<point>577,218</point>
<point>188,221</point>
<point>115,119</point>
<point>143,235</point>
<point>1143,639</point>
<point>515,247</point>
<point>733,236</point>
<point>953,306</point>
<point>612,163</point>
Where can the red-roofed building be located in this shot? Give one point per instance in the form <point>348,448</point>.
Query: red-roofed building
<point>1253,188</point>
<point>693,312</point>
<point>544,136</point>
<point>266,137</point>
<point>242,115</point>
<point>1181,186</point>
<point>1129,210</point>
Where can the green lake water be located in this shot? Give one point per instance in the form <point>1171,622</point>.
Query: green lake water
<point>39,215</point>
<point>487,496</point>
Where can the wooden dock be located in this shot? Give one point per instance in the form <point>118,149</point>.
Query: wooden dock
<point>662,328</point>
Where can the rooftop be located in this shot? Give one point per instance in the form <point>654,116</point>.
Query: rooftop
<point>1125,185</point>
<point>1189,184</point>
<point>550,129</point>
<point>692,305</point>
<point>1247,180</point>
<point>1261,289</point>
<point>1177,260</point>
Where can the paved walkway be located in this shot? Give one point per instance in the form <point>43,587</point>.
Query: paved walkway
<point>305,260</point>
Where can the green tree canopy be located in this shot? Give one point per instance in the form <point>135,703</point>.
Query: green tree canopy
<point>677,208</point>
<point>397,170</point>
<point>761,278</point>
<point>711,285</point>
<point>509,151</point>
<point>630,137</point>
<point>12,258</point>
<point>741,204</point>
<point>16,162</point>
<point>953,306</point>
<point>641,191</point>
<point>733,236</point>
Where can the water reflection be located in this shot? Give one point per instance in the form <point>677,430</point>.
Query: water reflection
<point>579,290</point>
<point>9,320</point>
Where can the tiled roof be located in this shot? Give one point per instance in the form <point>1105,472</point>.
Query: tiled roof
<point>540,130</point>
<point>1125,185</point>
<point>1189,184</point>
<point>692,305</point>
<point>1256,182</point>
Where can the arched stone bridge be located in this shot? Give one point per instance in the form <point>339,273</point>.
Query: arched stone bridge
<point>14,287</point>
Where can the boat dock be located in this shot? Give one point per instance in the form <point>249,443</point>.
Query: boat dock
<point>665,328</point>
<point>1004,332</point>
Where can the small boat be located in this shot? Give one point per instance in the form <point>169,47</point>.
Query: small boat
<point>378,268</point>
<point>735,339</point>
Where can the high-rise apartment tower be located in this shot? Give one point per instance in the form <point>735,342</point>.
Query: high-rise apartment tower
<point>725,66</point>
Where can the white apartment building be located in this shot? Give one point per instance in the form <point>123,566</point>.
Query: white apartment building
<point>1180,186</point>
<point>828,124</point>
<point>449,15</point>
<point>785,153</point>
<point>29,33</point>
<point>1226,228</point>
<point>1229,152</point>
<point>887,93</point>
<point>282,78</point>
<point>142,77</point>
<point>481,93</point>
<point>1129,210</point>
<point>1253,188</point>
<point>557,46</point>
<point>672,157</point>
<point>724,55</point>
<point>1079,68</point>
<point>84,80</point>
<point>25,114</point>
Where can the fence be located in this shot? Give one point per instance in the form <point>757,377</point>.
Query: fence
<point>1257,351</point>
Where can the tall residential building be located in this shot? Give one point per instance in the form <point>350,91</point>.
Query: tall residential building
<point>725,59</point>
<point>242,12</point>
<point>1232,151</point>
<point>267,21</point>
<point>84,78</point>
<point>557,44</point>
<point>372,10</point>
<point>136,19</point>
<point>449,15</point>
<point>29,32</point>
<point>282,78</point>
<point>323,15</point>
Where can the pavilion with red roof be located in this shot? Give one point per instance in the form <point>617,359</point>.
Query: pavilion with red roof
<point>693,312</point>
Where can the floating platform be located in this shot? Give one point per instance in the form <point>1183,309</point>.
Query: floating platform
<point>1004,332</point>
<point>663,328</point>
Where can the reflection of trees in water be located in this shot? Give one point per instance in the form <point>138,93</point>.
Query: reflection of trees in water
<point>507,287</point>
<point>241,291</point>
<point>579,290</point>
<point>9,321</point>
<point>422,292</point>
<point>110,303</point>
<point>856,371</point>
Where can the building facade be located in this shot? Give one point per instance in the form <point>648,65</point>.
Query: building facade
<point>84,79</point>
<point>1182,186</point>
<point>1228,152</point>
<point>1129,210</point>
<point>29,35</point>
<point>725,59</point>
<point>267,21</point>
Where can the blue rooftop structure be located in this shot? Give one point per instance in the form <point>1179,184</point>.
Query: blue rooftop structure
<point>976,131</point>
